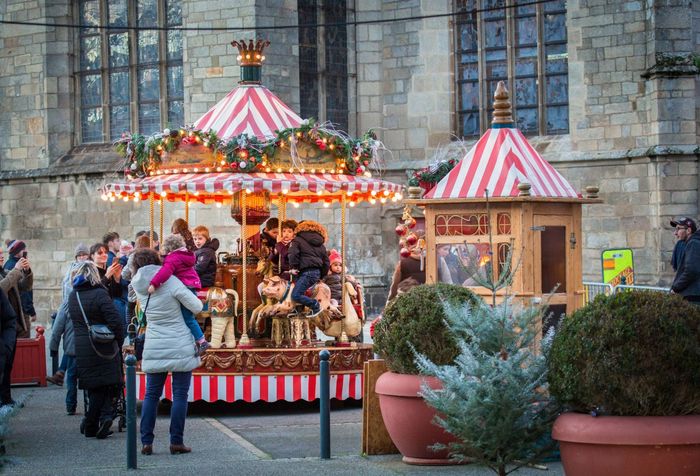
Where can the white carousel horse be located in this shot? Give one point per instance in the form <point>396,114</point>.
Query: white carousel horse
<point>222,317</point>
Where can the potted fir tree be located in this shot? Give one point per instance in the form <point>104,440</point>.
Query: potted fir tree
<point>628,365</point>
<point>415,320</point>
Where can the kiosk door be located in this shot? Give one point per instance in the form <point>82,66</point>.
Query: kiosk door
<point>553,264</point>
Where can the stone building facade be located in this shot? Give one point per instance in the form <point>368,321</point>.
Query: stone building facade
<point>632,104</point>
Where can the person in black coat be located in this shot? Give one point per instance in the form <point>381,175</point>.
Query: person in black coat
<point>100,375</point>
<point>687,280</point>
<point>308,259</point>
<point>8,333</point>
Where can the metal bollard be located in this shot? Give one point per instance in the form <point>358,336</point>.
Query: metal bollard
<point>325,377</point>
<point>131,412</point>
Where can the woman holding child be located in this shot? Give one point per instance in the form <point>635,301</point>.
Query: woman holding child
<point>169,346</point>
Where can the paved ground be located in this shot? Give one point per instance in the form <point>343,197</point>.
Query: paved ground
<point>245,439</point>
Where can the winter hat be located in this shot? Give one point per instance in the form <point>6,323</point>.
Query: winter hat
<point>81,249</point>
<point>335,257</point>
<point>17,246</point>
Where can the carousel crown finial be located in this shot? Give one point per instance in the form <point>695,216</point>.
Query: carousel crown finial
<point>502,111</point>
<point>251,53</point>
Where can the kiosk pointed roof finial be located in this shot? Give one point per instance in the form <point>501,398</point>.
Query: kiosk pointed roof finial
<point>502,110</point>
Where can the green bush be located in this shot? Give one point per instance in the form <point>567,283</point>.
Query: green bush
<point>630,354</point>
<point>417,318</point>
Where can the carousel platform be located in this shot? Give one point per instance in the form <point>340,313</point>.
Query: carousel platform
<point>272,374</point>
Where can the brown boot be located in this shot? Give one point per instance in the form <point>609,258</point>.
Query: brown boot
<point>57,378</point>
<point>179,449</point>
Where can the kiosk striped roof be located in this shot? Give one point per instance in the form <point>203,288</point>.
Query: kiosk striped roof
<point>249,109</point>
<point>500,160</point>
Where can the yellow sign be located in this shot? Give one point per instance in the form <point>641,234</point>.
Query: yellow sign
<point>618,266</point>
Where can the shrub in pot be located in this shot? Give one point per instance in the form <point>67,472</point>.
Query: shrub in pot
<point>630,363</point>
<point>415,320</point>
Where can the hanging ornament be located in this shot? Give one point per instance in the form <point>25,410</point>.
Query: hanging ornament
<point>166,132</point>
<point>405,253</point>
<point>400,230</point>
<point>411,223</point>
<point>133,166</point>
<point>320,144</point>
<point>411,239</point>
<point>243,164</point>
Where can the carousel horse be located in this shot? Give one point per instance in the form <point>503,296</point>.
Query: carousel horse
<point>330,321</point>
<point>222,312</point>
<point>265,268</point>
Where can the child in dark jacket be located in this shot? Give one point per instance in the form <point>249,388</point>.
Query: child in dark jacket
<point>205,254</point>
<point>179,262</point>
<point>280,253</point>
<point>308,261</point>
<point>334,278</point>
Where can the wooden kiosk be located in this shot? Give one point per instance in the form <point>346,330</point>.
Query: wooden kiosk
<point>503,183</point>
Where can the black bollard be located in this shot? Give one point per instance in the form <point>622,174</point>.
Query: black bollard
<point>131,412</point>
<point>325,376</point>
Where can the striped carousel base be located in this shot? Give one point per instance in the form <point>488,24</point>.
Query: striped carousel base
<point>267,388</point>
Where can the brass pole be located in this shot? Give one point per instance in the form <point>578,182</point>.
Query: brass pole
<point>343,209</point>
<point>245,340</point>
<point>152,213</point>
<point>187,207</point>
<point>162,210</point>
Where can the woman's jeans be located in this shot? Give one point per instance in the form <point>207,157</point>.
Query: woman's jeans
<point>178,411</point>
<point>307,279</point>
<point>71,382</point>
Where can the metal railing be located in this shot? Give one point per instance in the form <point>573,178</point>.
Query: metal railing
<point>593,289</point>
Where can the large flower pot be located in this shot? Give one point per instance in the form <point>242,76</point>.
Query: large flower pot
<point>622,446</point>
<point>408,419</point>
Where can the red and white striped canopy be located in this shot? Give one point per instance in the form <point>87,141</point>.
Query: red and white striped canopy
<point>310,187</point>
<point>252,110</point>
<point>499,161</point>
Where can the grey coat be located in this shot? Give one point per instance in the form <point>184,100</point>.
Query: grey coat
<point>62,326</point>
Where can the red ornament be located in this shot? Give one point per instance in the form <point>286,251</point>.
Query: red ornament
<point>411,239</point>
<point>400,230</point>
<point>411,223</point>
<point>320,144</point>
<point>405,253</point>
<point>365,162</point>
<point>234,165</point>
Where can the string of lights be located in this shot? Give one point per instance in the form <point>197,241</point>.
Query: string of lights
<point>276,27</point>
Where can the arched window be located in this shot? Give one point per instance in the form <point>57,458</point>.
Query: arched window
<point>129,80</point>
<point>523,45</point>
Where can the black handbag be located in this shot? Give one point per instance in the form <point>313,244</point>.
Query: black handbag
<point>99,333</point>
<point>140,339</point>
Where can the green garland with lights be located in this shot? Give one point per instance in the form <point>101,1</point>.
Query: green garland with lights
<point>246,153</point>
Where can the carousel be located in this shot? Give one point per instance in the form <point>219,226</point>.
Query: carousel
<point>252,153</point>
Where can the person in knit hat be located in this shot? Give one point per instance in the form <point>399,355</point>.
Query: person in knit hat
<point>16,250</point>
<point>334,278</point>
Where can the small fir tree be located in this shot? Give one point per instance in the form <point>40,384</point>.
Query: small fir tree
<point>494,397</point>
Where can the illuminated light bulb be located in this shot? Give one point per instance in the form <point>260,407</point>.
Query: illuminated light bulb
<point>383,199</point>
<point>342,165</point>
<point>182,132</point>
<point>264,163</point>
<point>285,191</point>
<point>394,199</point>
<point>195,170</point>
<point>267,169</point>
<point>367,174</point>
<point>386,193</point>
<point>313,171</point>
<point>325,141</point>
<point>296,204</point>
<point>291,170</point>
<point>257,56</point>
<point>248,191</point>
<point>230,192</point>
<point>239,57</point>
<point>298,134</point>
<point>126,199</point>
<point>223,162</point>
<point>184,171</point>
<point>279,170</point>
<point>218,204</point>
<point>323,171</point>
<point>350,193</point>
<point>111,199</point>
<point>104,197</point>
<point>196,194</point>
<point>191,134</point>
<point>247,56</point>
<point>206,143</point>
<point>332,171</point>
<point>262,58</point>
<point>399,196</point>
<point>163,194</point>
<point>372,201</point>
<point>331,147</point>
<point>374,193</point>
<point>352,204</point>
<point>207,169</point>
<point>302,171</point>
<point>218,169</point>
<point>136,199</point>
<point>326,204</point>
<point>137,195</point>
<point>319,193</point>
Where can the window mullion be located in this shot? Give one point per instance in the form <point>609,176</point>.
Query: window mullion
<point>162,63</point>
<point>510,51</point>
<point>483,86</point>
<point>133,67</point>
<point>104,51</point>
<point>541,89</point>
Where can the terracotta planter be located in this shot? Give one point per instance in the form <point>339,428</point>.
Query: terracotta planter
<point>621,446</point>
<point>408,419</point>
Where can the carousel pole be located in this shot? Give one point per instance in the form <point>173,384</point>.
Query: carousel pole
<point>187,207</point>
<point>244,340</point>
<point>343,209</point>
<point>152,213</point>
<point>281,216</point>
<point>162,210</point>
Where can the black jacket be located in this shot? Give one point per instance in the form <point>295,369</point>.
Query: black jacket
<point>206,262</point>
<point>687,280</point>
<point>8,334</point>
<point>93,370</point>
<point>307,252</point>
<point>110,284</point>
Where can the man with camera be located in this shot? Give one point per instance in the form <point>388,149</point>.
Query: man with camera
<point>14,279</point>
<point>16,251</point>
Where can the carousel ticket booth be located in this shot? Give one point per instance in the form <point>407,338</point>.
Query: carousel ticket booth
<point>503,192</point>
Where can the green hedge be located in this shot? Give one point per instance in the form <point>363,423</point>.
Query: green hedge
<point>631,354</point>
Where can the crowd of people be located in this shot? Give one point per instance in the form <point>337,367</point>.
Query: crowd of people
<point>115,283</point>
